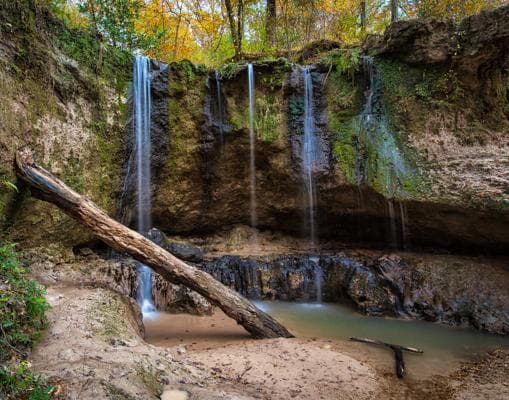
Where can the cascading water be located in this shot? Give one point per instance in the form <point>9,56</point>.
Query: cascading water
<point>219,103</point>
<point>382,158</point>
<point>318,277</point>
<point>142,109</point>
<point>309,154</point>
<point>381,162</point>
<point>392,225</point>
<point>403,217</point>
<point>252,144</point>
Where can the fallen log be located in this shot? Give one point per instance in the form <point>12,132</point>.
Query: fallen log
<point>47,187</point>
<point>398,352</point>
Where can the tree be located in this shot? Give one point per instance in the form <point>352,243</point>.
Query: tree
<point>49,188</point>
<point>115,20</point>
<point>363,16</point>
<point>211,31</point>
<point>270,23</point>
<point>236,21</point>
<point>394,10</point>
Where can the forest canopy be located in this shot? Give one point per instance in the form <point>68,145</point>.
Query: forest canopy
<point>212,31</point>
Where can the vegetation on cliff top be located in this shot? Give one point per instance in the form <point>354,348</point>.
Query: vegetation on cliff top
<point>211,31</point>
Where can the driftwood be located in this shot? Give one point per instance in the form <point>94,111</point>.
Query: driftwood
<point>398,352</point>
<point>47,187</point>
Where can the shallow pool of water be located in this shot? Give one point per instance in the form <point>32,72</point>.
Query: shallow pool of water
<point>444,347</point>
<point>333,321</point>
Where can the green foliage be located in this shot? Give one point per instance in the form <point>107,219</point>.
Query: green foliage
<point>345,152</point>
<point>22,305</point>
<point>345,61</point>
<point>189,70</point>
<point>268,118</point>
<point>295,113</point>
<point>398,79</point>
<point>343,105</point>
<point>18,382</point>
<point>9,185</point>
<point>432,85</point>
<point>22,319</point>
<point>110,62</point>
<point>115,19</point>
<point>230,70</point>
<point>439,88</point>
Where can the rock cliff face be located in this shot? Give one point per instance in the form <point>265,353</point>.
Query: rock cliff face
<point>433,288</point>
<point>119,275</point>
<point>412,151</point>
<point>441,90</point>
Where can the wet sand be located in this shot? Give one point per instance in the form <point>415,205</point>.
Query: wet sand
<point>193,331</point>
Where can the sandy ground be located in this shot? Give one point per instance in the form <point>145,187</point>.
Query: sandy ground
<point>321,369</point>
<point>193,332</point>
<point>292,369</point>
<point>93,350</point>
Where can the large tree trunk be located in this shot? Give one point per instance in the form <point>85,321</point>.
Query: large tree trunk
<point>236,27</point>
<point>49,188</point>
<point>270,23</point>
<point>394,10</point>
<point>363,16</point>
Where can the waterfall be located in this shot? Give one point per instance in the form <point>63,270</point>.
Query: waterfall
<point>383,161</point>
<point>403,218</point>
<point>252,143</point>
<point>309,154</point>
<point>142,110</point>
<point>318,277</point>
<point>219,103</point>
<point>392,225</point>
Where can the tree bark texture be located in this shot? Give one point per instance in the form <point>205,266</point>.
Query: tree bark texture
<point>47,187</point>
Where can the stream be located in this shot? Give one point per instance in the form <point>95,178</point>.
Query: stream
<point>444,347</point>
<point>334,321</point>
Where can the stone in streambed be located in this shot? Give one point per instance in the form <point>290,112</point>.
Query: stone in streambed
<point>174,395</point>
<point>184,251</point>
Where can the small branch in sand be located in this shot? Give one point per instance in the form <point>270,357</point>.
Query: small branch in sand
<point>246,369</point>
<point>398,352</point>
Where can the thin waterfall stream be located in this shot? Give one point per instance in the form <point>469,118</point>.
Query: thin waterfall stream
<point>308,165</point>
<point>142,105</point>
<point>252,147</point>
<point>219,103</point>
<point>381,161</point>
<point>309,154</point>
